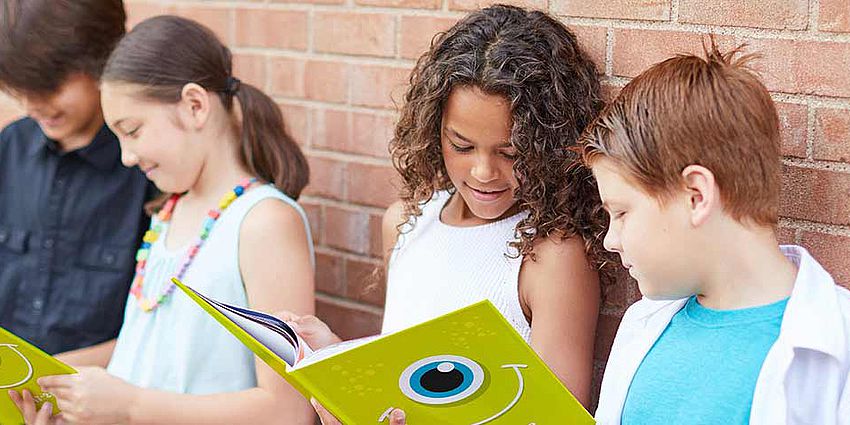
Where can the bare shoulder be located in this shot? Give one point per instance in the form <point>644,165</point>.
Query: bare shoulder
<point>271,220</point>
<point>556,253</point>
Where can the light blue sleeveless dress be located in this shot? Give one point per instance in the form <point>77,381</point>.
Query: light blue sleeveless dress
<point>178,347</point>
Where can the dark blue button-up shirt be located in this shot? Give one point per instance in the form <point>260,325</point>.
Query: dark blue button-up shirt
<point>70,224</point>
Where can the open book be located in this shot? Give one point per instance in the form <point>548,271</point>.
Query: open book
<point>467,367</point>
<point>21,364</point>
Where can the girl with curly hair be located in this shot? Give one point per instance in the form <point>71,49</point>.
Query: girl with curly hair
<point>491,206</point>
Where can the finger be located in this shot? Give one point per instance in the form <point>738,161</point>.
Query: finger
<point>16,398</point>
<point>397,417</point>
<point>63,396</point>
<point>286,316</point>
<point>43,417</point>
<point>326,417</point>
<point>29,406</point>
<point>56,381</point>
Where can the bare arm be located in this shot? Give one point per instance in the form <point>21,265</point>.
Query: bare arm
<point>95,355</point>
<point>561,291</point>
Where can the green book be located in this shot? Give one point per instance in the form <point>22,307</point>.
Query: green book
<point>467,367</point>
<point>21,364</point>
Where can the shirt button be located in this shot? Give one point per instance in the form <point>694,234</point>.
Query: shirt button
<point>3,236</point>
<point>60,183</point>
<point>108,259</point>
<point>37,304</point>
<point>48,243</point>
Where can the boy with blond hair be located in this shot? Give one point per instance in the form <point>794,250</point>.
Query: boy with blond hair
<point>733,328</point>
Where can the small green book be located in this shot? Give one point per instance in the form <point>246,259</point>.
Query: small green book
<point>21,364</point>
<point>467,367</point>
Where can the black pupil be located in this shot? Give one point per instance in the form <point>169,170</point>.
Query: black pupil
<point>440,382</point>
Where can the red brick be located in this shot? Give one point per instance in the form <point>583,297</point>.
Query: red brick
<point>786,235</point>
<point>617,296</point>
<point>831,251</point>
<point>262,28</point>
<point>250,69</point>
<point>365,281</point>
<point>329,274</point>
<point>326,178</point>
<point>778,14</point>
<point>287,77</point>
<point>832,134</point>
<point>347,230</point>
<point>314,216</point>
<point>378,86</point>
<point>138,12</point>
<point>594,41</point>
<point>411,4</point>
<point>215,18</point>
<point>371,184</point>
<point>355,132</point>
<point>479,4</point>
<point>651,10</point>
<point>331,129</point>
<point>803,67</point>
<point>370,34</point>
<point>376,236</point>
<point>636,50</point>
<point>834,16</point>
<point>417,33</point>
<point>371,134</point>
<point>816,195</point>
<point>327,81</point>
<point>348,322</point>
<point>310,1</point>
<point>296,121</point>
<point>793,123</point>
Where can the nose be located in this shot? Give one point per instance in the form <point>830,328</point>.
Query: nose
<point>612,241</point>
<point>128,158</point>
<point>484,170</point>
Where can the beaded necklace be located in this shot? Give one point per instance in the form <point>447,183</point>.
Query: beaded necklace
<point>147,304</point>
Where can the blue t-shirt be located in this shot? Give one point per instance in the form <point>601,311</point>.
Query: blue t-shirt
<point>704,367</point>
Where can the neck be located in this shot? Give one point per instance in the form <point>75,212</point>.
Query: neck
<point>746,270</point>
<point>82,138</point>
<point>222,169</point>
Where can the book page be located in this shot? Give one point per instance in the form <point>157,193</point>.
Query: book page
<point>332,350</point>
<point>268,330</point>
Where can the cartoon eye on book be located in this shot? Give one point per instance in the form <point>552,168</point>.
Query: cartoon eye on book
<point>466,367</point>
<point>447,379</point>
<point>12,360</point>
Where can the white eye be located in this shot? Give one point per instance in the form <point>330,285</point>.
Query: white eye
<point>441,379</point>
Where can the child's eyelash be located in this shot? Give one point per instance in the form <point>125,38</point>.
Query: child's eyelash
<point>460,148</point>
<point>133,132</point>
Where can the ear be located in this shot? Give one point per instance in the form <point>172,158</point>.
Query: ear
<point>702,193</point>
<point>194,106</point>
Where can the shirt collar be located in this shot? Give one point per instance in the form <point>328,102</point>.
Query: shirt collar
<point>813,319</point>
<point>103,152</point>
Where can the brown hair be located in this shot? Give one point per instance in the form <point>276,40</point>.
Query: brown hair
<point>43,41</point>
<point>535,63</point>
<point>164,53</point>
<point>686,110</point>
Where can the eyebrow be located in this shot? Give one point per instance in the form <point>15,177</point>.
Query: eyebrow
<point>455,133</point>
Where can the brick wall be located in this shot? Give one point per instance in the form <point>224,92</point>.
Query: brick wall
<point>337,68</point>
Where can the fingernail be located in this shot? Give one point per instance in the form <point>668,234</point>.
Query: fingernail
<point>313,402</point>
<point>398,415</point>
<point>47,406</point>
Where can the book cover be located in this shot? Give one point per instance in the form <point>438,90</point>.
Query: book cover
<point>21,364</point>
<point>467,367</point>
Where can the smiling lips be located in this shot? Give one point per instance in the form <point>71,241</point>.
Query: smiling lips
<point>486,195</point>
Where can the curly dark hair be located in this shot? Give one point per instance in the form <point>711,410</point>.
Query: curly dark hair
<point>536,63</point>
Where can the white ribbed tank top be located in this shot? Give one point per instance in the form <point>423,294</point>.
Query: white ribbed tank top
<point>179,347</point>
<point>436,268</point>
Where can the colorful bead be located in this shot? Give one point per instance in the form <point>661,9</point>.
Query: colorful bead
<point>152,235</point>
